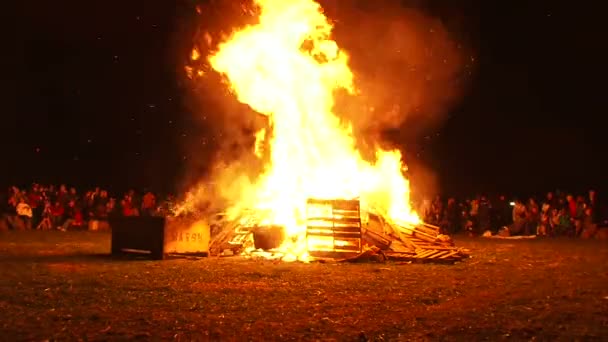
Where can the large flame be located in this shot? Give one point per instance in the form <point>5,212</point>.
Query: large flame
<point>287,67</point>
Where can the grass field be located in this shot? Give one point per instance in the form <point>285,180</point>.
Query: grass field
<point>62,286</point>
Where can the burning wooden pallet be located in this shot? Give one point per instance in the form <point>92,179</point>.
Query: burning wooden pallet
<point>335,231</point>
<point>233,236</point>
<point>333,228</point>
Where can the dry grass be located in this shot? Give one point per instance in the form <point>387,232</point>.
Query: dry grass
<point>61,286</point>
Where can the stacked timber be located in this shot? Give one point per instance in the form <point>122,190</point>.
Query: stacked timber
<point>408,242</point>
<point>235,234</point>
<point>400,242</point>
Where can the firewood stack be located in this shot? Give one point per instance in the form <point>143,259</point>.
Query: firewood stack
<point>422,242</point>
<point>380,237</point>
<point>234,235</point>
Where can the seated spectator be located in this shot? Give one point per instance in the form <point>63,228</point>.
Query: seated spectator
<point>74,217</point>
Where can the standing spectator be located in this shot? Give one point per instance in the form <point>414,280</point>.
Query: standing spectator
<point>57,214</point>
<point>544,226</point>
<point>473,215</point>
<point>465,214</point>
<point>588,228</point>
<point>594,206</point>
<point>437,211</point>
<point>73,195</point>
<point>572,206</point>
<point>426,210</point>
<point>519,218</point>
<point>484,215</point>
<point>579,215</point>
<point>452,214</point>
<point>47,218</point>
<point>554,222</point>
<point>550,200</point>
<point>35,202</point>
<point>565,222</point>
<point>533,217</point>
<point>100,204</point>
<point>502,212</point>
<point>62,195</point>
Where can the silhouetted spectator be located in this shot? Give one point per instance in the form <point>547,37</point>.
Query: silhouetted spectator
<point>483,215</point>
<point>519,218</point>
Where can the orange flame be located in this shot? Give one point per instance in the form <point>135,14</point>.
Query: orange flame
<point>195,55</point>
<point>287,67</point>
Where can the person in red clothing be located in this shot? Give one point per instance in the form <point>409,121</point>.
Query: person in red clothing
<point>73,215</point>
<point>148,204</point>
<point>34,199</point>
<point>57,214</point>
<point>572,209</point>
<point>127,208</point>
<point>572,206</point>
<point>78,217</point>
<point>62,195</point>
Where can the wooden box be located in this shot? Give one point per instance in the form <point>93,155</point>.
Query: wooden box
<point>157,237</point>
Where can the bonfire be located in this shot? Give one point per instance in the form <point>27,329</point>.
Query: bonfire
<point>317,196</point>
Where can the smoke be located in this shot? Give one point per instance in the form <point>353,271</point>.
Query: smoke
<point>407,69</point>
<point>226,125</point>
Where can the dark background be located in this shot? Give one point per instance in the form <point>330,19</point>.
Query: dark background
<point>93,94</point>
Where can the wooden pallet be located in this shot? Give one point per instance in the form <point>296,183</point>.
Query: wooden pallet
<point>413,242</point>
<point>333,228</point>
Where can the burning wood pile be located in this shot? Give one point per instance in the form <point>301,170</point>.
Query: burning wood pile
<point>336,231</point>
<point>286,67</point>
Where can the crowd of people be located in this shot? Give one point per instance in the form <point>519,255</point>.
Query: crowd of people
<point>557,214</point>
<point>62,208</point>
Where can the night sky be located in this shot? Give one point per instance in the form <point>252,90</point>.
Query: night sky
<point>94,94</point>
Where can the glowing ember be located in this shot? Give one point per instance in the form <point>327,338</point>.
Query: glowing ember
<point>287,68</point>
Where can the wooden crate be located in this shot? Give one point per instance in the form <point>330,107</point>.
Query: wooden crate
<point>333,228</point>
<point>157,237</point>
